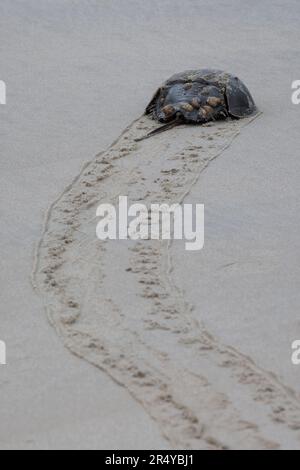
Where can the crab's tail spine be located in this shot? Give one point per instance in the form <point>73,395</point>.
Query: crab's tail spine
<point>163,128</point>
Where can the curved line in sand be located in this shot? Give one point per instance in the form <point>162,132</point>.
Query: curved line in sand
<point>151,372</point>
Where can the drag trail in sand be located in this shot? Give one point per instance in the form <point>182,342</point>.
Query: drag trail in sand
<point>115,303</point>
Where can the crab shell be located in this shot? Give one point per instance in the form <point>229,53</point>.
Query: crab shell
<point>199,96</point>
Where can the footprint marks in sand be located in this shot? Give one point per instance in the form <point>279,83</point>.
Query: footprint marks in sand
<point>115,303</point>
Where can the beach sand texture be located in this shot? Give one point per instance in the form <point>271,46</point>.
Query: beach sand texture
<point>116,303</point>
<point>200,342</point>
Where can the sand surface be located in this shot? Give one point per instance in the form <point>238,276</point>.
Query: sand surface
<point>226,317</point>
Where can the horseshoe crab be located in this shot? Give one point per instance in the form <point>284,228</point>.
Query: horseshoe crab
<point>199,96</point>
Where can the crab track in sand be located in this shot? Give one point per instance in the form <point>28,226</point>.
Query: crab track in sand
<point>115,304</point>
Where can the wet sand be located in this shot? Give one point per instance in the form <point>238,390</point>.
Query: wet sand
<point>58,118</point>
